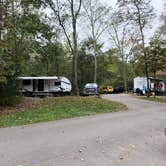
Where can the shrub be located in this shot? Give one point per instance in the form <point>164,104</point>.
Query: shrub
<point>9,94</point>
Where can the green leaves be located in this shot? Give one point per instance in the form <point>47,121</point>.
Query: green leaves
<point>35,3</point>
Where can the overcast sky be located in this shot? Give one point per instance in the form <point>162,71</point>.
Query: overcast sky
<point>158,6</point>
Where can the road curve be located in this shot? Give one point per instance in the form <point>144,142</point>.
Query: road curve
<point>127,138</point>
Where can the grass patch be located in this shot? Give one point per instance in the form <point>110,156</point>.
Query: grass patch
<point>61,108</point>
<point>155,99</point>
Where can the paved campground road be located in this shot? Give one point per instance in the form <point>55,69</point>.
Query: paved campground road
<point>127,138</point>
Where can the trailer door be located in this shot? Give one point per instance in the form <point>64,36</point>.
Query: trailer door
<point>40,85</point>
<point>34,85</point>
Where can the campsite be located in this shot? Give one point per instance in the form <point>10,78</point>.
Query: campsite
<point>82,82</point>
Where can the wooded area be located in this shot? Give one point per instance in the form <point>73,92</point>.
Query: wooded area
<point>67,37</point>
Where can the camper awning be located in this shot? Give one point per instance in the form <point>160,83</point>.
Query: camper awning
<point>39,78</point>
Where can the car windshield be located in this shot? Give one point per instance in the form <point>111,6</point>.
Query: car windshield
<point>110,87</point>
<point>94,85</point>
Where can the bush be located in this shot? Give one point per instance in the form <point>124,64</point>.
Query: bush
<point>9,95</point>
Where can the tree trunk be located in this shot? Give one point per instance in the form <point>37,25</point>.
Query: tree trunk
<point>72,43</point>
<point>95,68</point>
<point>1,19</point>
<point>154,74</point>
<point>124,76</point>
<point>75,75</point>
<point>95,56</point>
<point>147,77</point>
<point>47,65</point>
<point>75,57</point>
<point>144,51</point>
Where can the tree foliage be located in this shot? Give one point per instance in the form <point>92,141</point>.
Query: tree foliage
<point>139,13</point>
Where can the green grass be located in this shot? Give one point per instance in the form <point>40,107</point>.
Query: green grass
<point>155,99</point>
<point>61,108</point>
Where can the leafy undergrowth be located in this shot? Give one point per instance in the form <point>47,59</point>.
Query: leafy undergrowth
<point>60,108</point>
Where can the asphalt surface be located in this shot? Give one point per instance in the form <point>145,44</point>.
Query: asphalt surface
<point>127,138</point>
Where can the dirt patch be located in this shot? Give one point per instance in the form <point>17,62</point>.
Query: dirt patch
<point>25,104</point>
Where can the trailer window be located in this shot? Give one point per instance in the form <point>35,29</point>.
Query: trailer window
<point>57,83</point>
<point>26,82</point>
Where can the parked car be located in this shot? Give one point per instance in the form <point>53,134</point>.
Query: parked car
<point>90,89</point>
<point>119,89</point>
<point>106,89</point>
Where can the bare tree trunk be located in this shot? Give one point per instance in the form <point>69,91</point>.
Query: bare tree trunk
<point>154,74</point>
<point>147,77</point>
<point>1,19</point>
<point>57,66</point>
<point>144,51</point>
<point>95,68</point>
<point>47,65</point>
<point>120,45</point>
<point>95,52</point>
<point>75,49</point>
<point>124,75</point>
<point>146,64</point>
<point>72,43</point>
<point>95,17</point>
<point>75,67</point>
<point>95,58</point>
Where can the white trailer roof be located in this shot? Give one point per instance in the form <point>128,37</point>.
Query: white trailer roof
<point>39,78</point>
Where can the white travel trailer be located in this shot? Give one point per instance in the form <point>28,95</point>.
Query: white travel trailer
<point>155,85</point>
<point>45,86</point>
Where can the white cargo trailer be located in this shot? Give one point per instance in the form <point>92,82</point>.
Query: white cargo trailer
<point>44,85</point>
<point>140,83</point>
<point>157,85</point>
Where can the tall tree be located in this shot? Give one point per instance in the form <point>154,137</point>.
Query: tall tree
<point>156,56</point>
<point>139,13</point>
<point>18,25</point>
<point>124,39</point>
<point>97,15</point>
<point>67,12</point>
<point>9,52</point>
